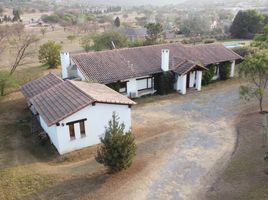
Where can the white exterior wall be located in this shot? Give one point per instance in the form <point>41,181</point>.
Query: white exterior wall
<point>132,87</point>
<point>232,69</point>
<point>198,80</point>
<point>52,131</point>
<point>181,84</point>
<point>97,117</point>
<point>192,79</point>
<point>65,63</point>
<point>81,75</point>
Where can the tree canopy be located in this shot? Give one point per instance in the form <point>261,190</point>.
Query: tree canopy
<point>117,22</point>
<point>261,40</point>
<point>255,71</point>
<point>108,40</point>
<point>49,53</point>
<point>154,31</point>
<point>246,24</point>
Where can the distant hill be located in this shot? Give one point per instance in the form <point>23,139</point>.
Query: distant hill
<point>135,2</point>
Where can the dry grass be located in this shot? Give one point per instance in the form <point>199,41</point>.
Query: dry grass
<point>244,177</point>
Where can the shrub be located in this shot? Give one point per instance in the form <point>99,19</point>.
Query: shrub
<point>208,41</point>
<point>224,71</point>
<point>208,75</point>
<point>244,51</point>
<point>117,148</point>
<point>164,83</point>
<point>49,53</point>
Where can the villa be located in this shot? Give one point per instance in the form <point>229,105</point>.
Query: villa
<point>135,69</point>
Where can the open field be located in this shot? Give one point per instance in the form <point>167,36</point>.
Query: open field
<point>169,139</point>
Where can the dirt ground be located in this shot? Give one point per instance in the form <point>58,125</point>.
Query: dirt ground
<point>245,177</point>
<point>180,141</point>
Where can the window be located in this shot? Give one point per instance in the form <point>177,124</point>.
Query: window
<point>123,87</point>
<point>71,131</point>
<point>72,128</point>
<point>82,128</point>
<point>145,83</point>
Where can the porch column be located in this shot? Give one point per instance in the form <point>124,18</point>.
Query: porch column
<point>192,79</point>
<point>198,80</point>
<point>232,68</point>
<point>181,84</point>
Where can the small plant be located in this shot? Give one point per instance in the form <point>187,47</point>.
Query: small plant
<point>117,147</point>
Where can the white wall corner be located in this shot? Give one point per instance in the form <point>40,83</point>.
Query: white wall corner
<point>232,73</point>
<point>198,80</point>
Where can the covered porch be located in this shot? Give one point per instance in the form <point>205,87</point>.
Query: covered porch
<point>188,75</point>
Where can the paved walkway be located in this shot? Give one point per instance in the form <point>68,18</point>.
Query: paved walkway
<point>206,121</point>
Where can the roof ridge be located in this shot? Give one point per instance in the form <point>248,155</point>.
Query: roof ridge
<point>95,100</point>
<point>125,48</point>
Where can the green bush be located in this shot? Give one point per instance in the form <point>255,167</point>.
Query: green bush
<point>245,51</point>
<point>49,53</point>
<point>117,147</point>
<point>208,75</point>
<point>208,41</point>
<point>225,70</point>
<point>164,83</point>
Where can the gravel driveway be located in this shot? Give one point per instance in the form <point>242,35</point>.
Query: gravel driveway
<point>202,128</point>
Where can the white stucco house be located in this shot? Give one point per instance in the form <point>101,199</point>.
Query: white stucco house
<point>74,114</point>
<point>135,70</point>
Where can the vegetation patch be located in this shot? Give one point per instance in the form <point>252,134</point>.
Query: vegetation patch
<point>18,182</point>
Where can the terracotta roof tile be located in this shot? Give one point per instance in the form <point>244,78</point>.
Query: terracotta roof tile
<point>114,65</point>
<point>39,85</point>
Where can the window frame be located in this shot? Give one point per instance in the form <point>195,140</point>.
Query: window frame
<point>123,85</point>
<point>147,83</point>
<point>83,134</point>
<point>71,131</point>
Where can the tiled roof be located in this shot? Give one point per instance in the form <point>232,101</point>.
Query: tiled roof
<point>184,66</point>
<point>102,94</point>
<point>66,98</point>
<point>114,65</point>
<point>39,85</point>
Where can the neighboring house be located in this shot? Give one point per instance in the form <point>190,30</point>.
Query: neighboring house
<point>74,114</point>
<point>135,68</point>
<point>134,34</point>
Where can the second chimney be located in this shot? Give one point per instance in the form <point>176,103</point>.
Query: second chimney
<point>165,60</point>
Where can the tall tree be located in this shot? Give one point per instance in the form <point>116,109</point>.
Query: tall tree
<point>20,42</point>
<point>255,71</point>
<point>49,53</point>
<point>107,40</point>
<point>117,22</point>
<point>246,24</point>
<point>118,147</point>
<point>16,15</point>
<point>154,31</point>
